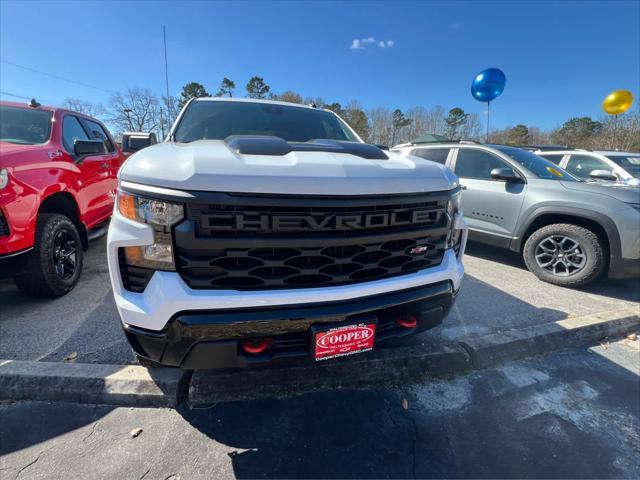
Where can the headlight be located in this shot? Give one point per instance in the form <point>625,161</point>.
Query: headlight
<point>147,210</point>
<point>162,216</point>
<point>4,178</point>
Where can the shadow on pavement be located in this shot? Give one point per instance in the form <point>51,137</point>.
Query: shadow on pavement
<point>622,289</point>
<point>563,417</point>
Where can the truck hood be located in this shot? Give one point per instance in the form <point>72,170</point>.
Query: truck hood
<point>624,193</point>
<point>210,165</point>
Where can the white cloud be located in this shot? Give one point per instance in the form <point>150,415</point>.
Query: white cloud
<point>361,43</point>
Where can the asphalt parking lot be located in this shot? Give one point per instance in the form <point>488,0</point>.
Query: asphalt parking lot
<point>572,414</point>
<point>498,294</point>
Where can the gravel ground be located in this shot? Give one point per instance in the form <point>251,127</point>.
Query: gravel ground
<point>498,294</point>
<point>573,414</point>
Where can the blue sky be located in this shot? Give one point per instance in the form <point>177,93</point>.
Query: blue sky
<point>560,58</point>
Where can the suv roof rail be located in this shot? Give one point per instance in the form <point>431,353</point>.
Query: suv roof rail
<point>436,142</point>
<point>545,148</point>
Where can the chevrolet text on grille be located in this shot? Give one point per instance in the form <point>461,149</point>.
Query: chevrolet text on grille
<point>329,222</point>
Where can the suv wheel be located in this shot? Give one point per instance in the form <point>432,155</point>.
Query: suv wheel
<point>54,266</point>
<point>565,254</point>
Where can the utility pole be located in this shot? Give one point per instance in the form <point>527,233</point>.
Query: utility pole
<point>127,112</point>
<point>161,124</point>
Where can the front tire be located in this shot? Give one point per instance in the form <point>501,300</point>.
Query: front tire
<point>55,264</point>
<point>565,254</point>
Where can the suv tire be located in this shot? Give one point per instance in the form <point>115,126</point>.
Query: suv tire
<point>55,264</point>
<point>565,254</point>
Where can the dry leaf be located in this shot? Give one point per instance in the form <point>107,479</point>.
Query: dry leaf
<point>135,432</point>
<point>405,404</point>
<point>71,358</point>
<point>632,336</point>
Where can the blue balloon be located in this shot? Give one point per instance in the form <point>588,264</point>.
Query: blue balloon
<point>488,84</point>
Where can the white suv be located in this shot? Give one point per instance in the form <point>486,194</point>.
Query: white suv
<point>623,167</point>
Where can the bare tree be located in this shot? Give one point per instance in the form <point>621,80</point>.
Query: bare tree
<point>288,96</point>
<point>620,133</point>
<point>136,109</point>
<point>425,121</point>
<point>471,129</point>
<point>380,125</point>
<point>96,110</point>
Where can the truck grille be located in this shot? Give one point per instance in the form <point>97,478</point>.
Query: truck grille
<point>270,242</point>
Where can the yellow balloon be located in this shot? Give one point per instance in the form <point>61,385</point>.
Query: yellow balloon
<point>617,102</point>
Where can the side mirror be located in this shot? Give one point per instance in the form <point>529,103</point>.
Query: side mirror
<point>135,141</point>
<point>88,147</point>
<point>603,175</point>
<point>505,174</point>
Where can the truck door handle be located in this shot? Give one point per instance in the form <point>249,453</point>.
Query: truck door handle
<point>104,165</point>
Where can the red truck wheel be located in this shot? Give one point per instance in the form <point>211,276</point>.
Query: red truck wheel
<point>55,264</point>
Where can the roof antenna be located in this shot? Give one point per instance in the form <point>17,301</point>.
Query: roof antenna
<point>34,104</point>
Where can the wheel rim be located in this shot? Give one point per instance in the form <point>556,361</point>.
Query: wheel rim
<point>560,255</point>
<point>65,254</point>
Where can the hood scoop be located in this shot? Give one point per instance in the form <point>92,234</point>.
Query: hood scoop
<point>268,145</point>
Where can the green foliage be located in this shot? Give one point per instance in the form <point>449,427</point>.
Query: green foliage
<point>226,88</point>
<point>577,131</point>
<point>518,135</point>
<point>398,122</point>
<point>192,90</point>
<point>334,107</point>
<point>454,121</point>
<point>356,117</point>
<point>256,88</point>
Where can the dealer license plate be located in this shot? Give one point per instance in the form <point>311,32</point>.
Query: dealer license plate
<point>343,340</point>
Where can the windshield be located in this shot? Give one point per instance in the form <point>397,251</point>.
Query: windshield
<point>24,126</point>
<point>216,120</point>
<point>631,163</point>
<point>540,167</point>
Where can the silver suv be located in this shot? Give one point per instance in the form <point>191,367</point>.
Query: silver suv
<point>569,231</point>
<point>623,167</point>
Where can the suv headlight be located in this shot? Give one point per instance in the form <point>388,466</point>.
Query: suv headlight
<point>4,178</point>
<point>162,216</point>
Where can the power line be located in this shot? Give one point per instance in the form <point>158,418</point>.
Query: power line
<point>13,95</point>
<point>58,77</point>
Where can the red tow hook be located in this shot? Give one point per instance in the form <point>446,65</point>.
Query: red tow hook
<point>408,321</point>
<point>255,345</point>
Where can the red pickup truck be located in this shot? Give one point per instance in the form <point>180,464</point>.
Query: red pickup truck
<point>57,188</point>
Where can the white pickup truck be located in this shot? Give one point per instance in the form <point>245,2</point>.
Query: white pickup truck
<point>263,232</point>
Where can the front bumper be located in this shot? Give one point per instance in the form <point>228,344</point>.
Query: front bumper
<point>173,324</point>
<point>210,339</point>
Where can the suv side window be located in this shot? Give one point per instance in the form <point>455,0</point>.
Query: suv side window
<point>72,130</point>
<point>477,164</point>
<point>582,165</point>
<point>96,132</point>
<point>434,154</point>
<point>555,158</point>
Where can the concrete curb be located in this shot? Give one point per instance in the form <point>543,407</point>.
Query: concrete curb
<point>385,366</point>
<point>129,385</point>
<point>490,350</point>
<point>132,385</point>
